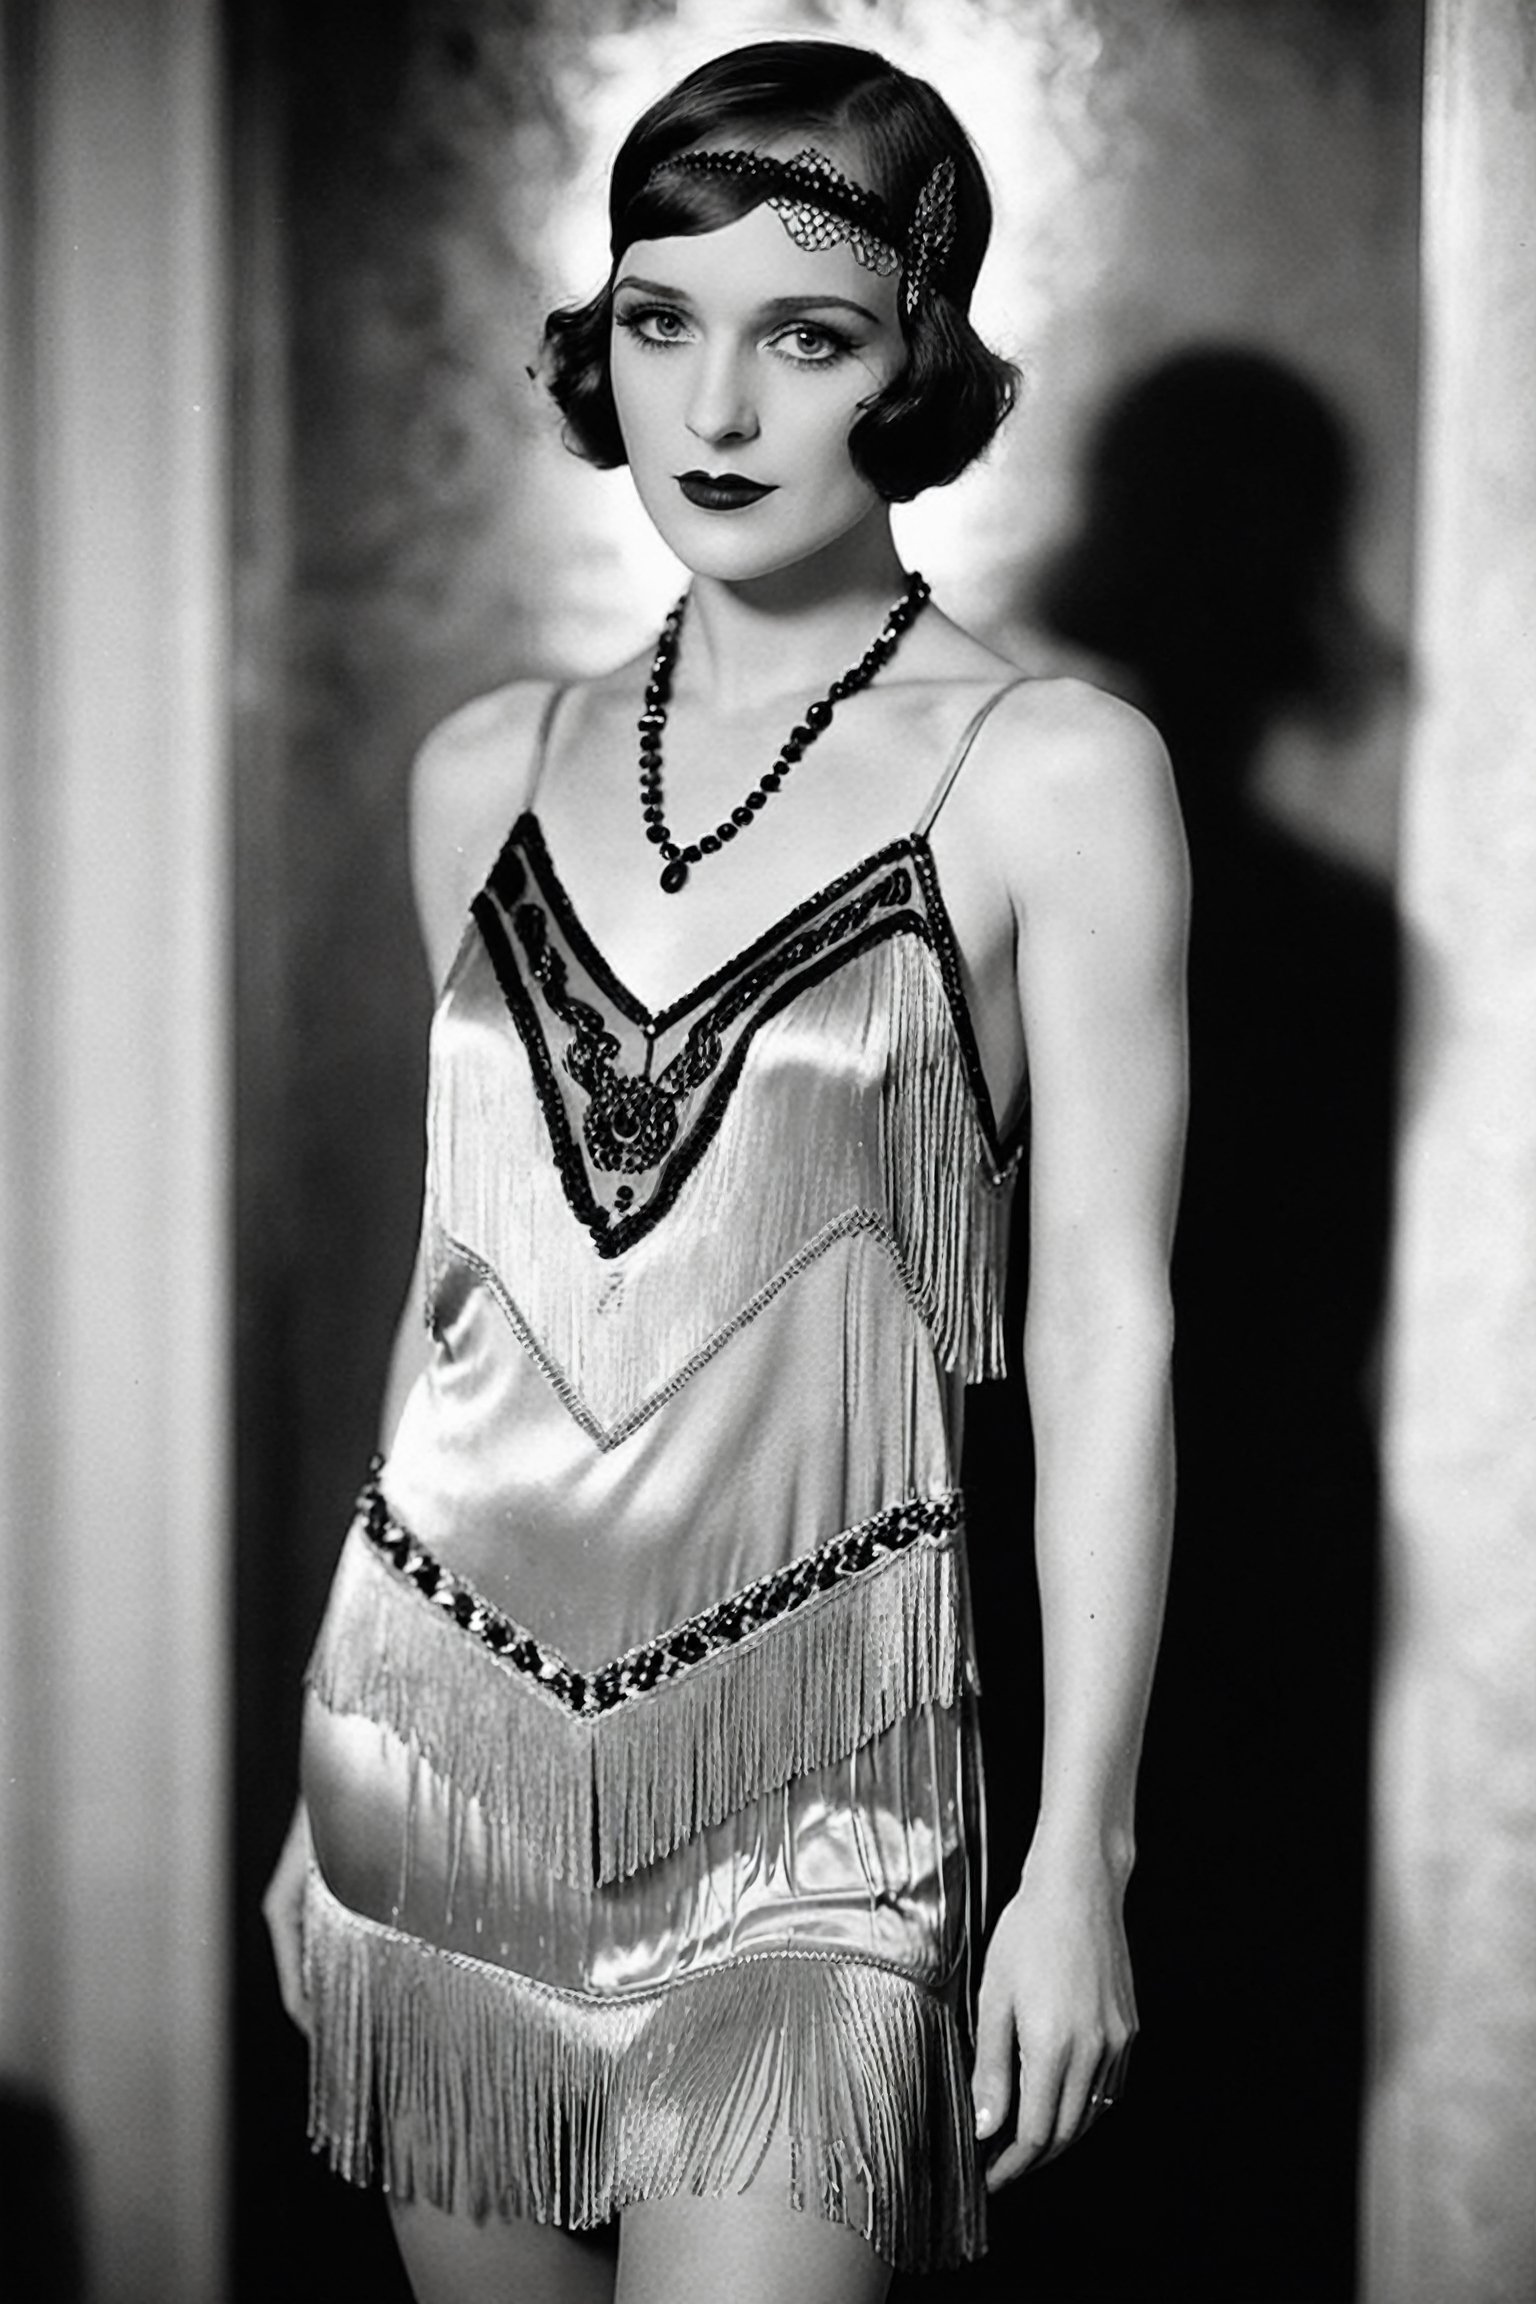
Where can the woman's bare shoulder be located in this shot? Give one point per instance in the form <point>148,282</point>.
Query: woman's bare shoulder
<point>1072,729</point>
<point>1065,772</point>
<point>471,780</point>
<point>479,759</point>
<point>476,769</point>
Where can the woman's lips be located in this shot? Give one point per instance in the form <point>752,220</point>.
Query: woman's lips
<point>722,491</point>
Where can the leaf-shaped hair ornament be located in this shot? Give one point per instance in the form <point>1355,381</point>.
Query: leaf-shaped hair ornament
<point>931,238</point>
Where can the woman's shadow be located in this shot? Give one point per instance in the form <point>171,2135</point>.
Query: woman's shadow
<point>1208,581</point>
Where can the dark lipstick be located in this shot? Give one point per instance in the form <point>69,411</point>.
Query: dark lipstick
<point>722,491</point>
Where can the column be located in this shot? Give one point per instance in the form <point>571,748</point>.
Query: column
<point>113,1061</point>
<point>1451,2142</point>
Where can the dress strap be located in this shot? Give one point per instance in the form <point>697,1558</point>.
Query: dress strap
<point>557,692</point>
<point>957,758</point>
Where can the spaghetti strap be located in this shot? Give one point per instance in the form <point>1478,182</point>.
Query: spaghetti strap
<point>957,758</point>
<point>552,702</point>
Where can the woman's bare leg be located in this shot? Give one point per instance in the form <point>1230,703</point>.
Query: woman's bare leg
<point>450,2260</point>
<point>751,2247</point>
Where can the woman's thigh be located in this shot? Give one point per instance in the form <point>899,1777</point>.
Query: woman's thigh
<point>751,2247</point>
<point>451,2260</point>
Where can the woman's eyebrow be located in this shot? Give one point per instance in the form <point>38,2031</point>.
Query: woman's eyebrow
<point>652,288</point>
<point>776,307</point>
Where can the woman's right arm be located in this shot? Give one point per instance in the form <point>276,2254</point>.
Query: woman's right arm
<point>471,778</point>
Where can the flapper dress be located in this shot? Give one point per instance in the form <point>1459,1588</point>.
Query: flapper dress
<point>640,1742</point>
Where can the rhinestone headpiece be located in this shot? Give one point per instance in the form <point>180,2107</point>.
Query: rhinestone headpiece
<point>819,207</point>
<point>931,237</point>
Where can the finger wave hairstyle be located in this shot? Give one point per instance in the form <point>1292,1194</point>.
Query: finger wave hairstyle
<point>943,407</point>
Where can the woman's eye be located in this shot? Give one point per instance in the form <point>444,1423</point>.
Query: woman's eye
<point>814,346</point>
<point>654,324</point>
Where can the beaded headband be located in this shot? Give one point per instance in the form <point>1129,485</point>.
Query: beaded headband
<point>820,207</point>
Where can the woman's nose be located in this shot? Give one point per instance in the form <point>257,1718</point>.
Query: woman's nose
<point>722,406</point>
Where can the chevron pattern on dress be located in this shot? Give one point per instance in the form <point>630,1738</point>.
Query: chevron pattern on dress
<point>798,1669</point>
<point>853,1223</point>
<point>912,1168</point>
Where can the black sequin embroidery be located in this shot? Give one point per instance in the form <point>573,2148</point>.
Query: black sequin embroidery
<point>631,1121</point>
<point>894,891</point>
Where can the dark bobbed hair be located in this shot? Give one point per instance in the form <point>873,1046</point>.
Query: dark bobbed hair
<point>942,408</point>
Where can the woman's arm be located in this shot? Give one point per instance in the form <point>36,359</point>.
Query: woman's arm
<point>469,781</point>
<point>1098,878</point>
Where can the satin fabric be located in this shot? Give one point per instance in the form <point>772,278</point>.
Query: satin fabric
<point>865,1857</point>
<point>604,1444</point>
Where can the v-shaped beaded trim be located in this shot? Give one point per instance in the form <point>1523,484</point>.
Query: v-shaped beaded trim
<point>587,1695</point>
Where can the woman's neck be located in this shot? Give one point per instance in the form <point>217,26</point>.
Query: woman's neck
<point>790,634</point>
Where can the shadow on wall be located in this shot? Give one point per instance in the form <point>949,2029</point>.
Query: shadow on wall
<point>1208,581</point>
<point>39,2209</point>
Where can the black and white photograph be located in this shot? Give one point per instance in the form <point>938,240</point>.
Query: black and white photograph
<point>768,1152</point>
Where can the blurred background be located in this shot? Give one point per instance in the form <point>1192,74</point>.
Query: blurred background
<point>275,493</point>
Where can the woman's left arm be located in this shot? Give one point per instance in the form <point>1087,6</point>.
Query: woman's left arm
<point>1098,880</point>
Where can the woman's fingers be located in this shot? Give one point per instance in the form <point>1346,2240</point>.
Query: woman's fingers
<point>1062,2092</point>
<point>1040,2084</point>
<point>992,2080</point>
<point>283,1926</point>
<point>1056,2019</point>
<point>1080,2096</point>
<point>1112,2087</point>
<point>282,1908</point>
<point>1101,2096</point>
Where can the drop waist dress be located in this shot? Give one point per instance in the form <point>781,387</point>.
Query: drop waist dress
<point>640,1745</point>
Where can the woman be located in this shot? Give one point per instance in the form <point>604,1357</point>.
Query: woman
<point>633,1874</point>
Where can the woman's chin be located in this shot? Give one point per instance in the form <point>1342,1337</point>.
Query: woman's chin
<point>740,546</point>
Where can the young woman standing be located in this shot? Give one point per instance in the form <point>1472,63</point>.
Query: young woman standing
<point>632,1887</point>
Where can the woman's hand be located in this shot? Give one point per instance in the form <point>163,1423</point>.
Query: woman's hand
<point>282,1909</point>
<point>1056,1992</point>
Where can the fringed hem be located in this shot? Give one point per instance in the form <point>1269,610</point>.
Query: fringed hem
<point>602,1797</point>
<point>450,2079</point>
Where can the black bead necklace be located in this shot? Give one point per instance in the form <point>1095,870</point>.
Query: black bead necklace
<point>678,860</point>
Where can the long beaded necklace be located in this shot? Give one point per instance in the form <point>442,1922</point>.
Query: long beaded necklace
<point>677,860</point>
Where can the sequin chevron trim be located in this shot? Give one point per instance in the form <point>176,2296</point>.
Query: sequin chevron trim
<point>588,1695</point>
<point>603,1772</point>
<point>819,207</point>
<point>447,2079</point>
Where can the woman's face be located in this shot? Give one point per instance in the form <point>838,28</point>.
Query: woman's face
<point>740,365</point>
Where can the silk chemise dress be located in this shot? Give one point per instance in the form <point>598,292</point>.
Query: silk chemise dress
<point>640,1743</point>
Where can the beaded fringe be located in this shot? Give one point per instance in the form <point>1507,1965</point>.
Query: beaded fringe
<point>599,1798</point>
<point>612,1328</point>
<point>450,2079</point>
